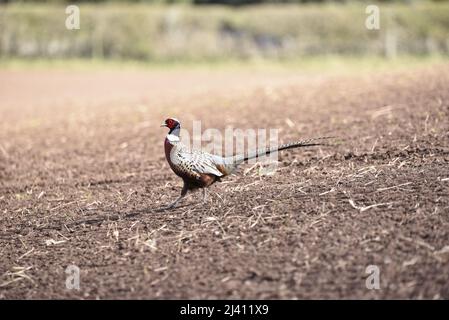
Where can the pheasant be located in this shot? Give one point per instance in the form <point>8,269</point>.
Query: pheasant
<point>201,169</point>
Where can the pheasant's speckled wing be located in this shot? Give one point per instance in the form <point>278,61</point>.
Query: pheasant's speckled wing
<point>199,162</point>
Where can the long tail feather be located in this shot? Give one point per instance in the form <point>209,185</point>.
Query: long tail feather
<point>266,151</point>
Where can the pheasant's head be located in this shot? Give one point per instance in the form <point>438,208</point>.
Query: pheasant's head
<point>172,124</point>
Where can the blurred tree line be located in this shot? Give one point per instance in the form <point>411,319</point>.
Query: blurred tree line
<point>187,33</point>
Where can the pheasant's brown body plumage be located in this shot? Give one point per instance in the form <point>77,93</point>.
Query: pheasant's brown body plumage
<point>189,165</point>
<point>201,169</point>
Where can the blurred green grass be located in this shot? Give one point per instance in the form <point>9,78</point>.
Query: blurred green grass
<point>185,34</point>
<point>330,64</point>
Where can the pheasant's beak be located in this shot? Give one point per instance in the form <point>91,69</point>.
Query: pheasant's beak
<point>163,125</point>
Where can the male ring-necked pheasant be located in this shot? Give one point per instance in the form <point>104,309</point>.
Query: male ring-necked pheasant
<point>201,169</point>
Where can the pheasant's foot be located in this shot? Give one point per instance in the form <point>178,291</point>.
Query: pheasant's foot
<point>171,205</point>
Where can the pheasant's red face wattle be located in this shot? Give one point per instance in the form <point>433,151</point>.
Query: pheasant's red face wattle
<point>171,123</point>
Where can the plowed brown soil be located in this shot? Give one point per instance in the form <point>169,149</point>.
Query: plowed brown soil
<point>82,172</point>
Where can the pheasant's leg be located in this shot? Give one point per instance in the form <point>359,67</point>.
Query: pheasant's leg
<point>173,204</point>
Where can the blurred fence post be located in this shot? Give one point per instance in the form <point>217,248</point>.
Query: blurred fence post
<point>391,43</point>
<point>391,37</point>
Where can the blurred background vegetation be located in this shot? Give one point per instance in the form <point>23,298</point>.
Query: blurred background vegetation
<point>195,30</point>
